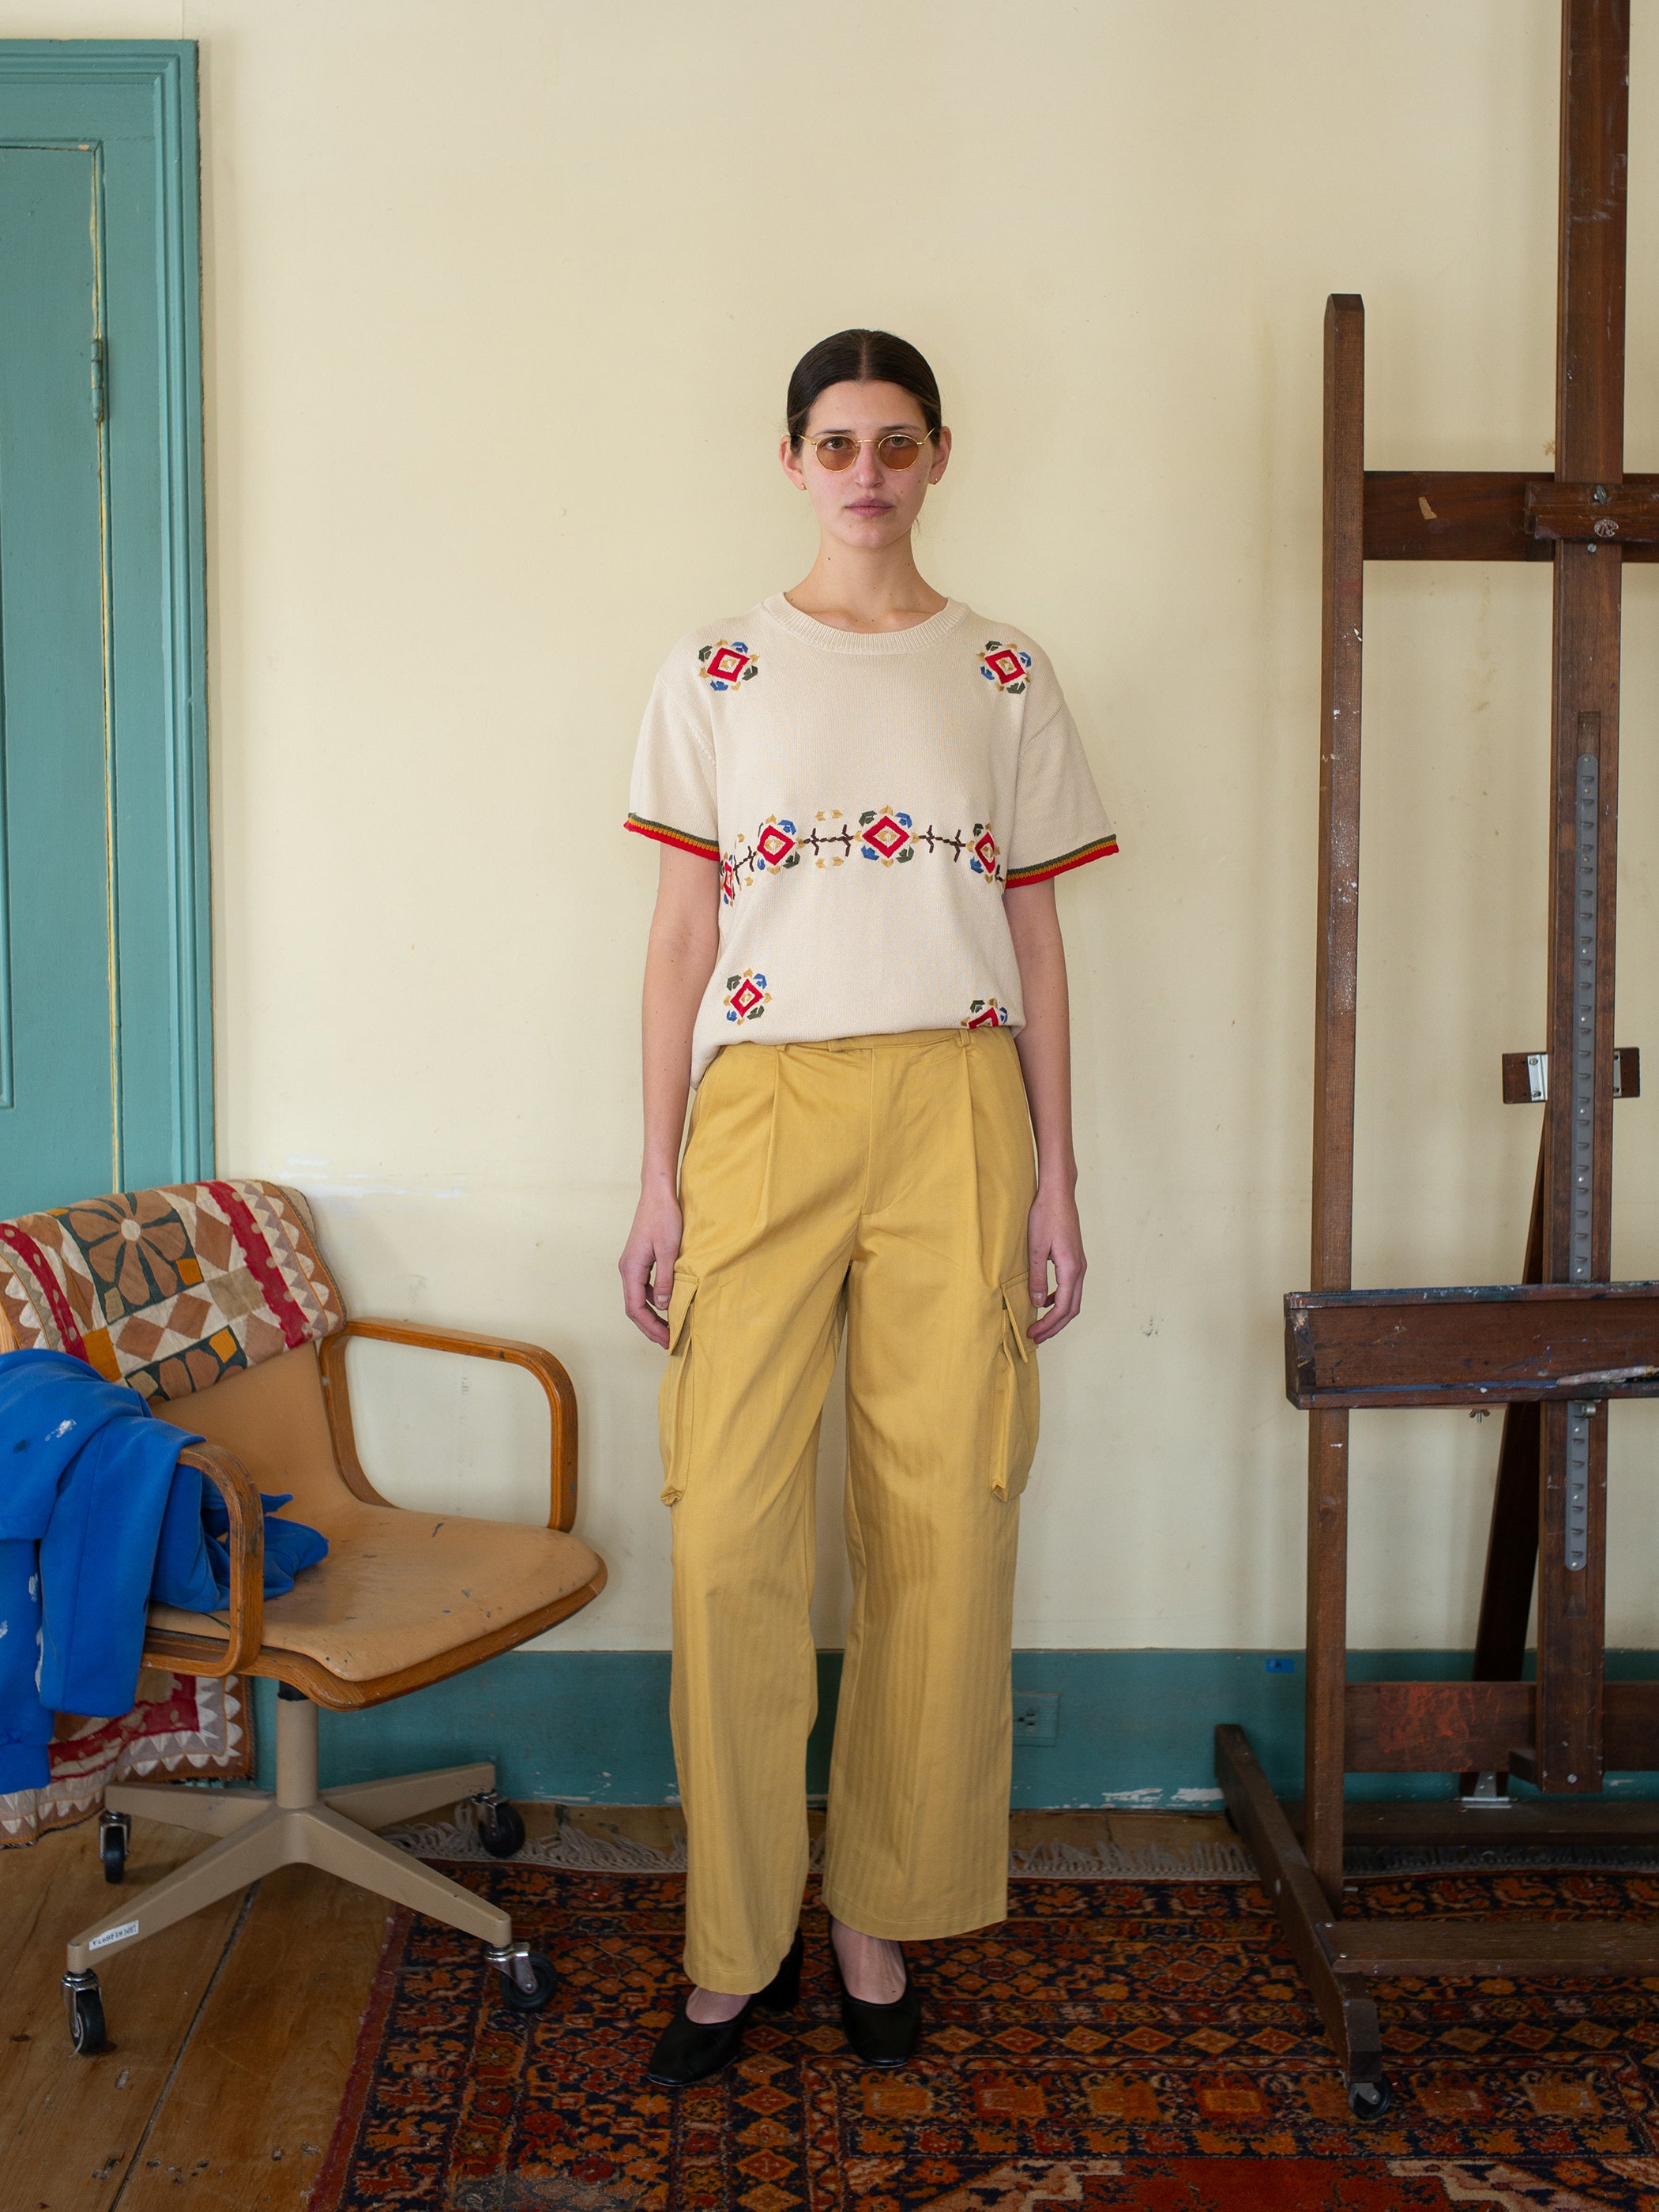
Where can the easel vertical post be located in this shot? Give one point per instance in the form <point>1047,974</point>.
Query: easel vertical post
<point>1335,1000</point>
<point>1589,448</point>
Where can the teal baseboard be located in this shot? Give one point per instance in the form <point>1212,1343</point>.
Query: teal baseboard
<point>1132,1728</point>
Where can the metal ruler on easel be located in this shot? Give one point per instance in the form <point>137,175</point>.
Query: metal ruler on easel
<point>1581,1105</point>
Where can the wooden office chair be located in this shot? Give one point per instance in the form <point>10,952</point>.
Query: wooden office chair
<point>213,1300</point>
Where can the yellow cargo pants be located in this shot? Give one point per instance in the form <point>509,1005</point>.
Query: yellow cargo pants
<point>886,1180</point>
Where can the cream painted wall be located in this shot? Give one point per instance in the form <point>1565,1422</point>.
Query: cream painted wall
<point>500,299</point>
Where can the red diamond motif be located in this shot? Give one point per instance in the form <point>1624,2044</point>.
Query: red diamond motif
<point>768,2197</point>
<point>727,665</point>
<point>746,998</point>
<point>1005,665</point>
<point>775,845</point>
<point>986,850</point>
<point>765,2165</point>
<point>887,836</point>
<point>765,2099</point>
<point>987,1020</point>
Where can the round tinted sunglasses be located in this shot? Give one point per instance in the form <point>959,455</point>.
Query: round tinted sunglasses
<point>895,449</point>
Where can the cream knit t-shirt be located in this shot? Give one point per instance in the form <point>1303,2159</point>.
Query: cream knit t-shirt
<point>868,801</point>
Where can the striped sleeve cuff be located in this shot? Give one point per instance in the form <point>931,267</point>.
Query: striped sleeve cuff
<point>1100,848</point>
<point>682,839</point>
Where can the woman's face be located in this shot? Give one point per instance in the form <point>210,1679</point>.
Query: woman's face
<point>868,505</point>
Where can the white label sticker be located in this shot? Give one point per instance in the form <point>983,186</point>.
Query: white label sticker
<point>113,1934</point>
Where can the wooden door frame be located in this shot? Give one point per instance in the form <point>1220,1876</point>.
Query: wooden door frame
<point>134,100</point>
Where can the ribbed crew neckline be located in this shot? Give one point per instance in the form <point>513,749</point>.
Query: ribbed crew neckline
<point>867,644</point>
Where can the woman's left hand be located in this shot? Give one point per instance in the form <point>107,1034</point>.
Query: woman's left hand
<point>1054,1232</point>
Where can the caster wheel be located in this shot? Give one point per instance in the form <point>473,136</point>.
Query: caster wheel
<point>501,1828</point>
<point>1369,2101</point>
<point>518,2000</point>
<point>86,2012</point>
<point>113,1846</point>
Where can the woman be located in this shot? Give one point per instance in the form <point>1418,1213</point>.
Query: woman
<point>863,791</point>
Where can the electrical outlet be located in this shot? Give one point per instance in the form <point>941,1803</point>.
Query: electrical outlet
<point>1036,1716</point>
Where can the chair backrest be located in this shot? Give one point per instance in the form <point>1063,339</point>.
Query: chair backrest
<point>169,1290</point>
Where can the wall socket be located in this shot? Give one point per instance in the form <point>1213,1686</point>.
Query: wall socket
<point>1036,1716</point>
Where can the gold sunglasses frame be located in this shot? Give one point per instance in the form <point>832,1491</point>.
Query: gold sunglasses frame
<point>927,438</point>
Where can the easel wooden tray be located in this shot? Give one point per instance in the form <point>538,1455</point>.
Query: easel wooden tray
<point>1502,1344</point>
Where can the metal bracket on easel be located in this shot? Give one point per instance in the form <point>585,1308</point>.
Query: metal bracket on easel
<point>1527,1076</point>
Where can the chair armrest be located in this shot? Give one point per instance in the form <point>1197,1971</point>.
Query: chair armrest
<point>246,1544</point>
<point>547,1371</point>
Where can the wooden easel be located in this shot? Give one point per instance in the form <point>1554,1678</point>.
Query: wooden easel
<point>1554,1349</point>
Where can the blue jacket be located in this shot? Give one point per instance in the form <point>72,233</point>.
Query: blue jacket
<point>96,1518</point>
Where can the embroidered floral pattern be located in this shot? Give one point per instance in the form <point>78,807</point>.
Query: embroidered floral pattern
<point>886,837</point>
<point>776,846</point>
<point>829,838</point>
<point>727,664</point>
<point>746,997</point>
<point>1005,665</point>
<point>986,1014</point>
<point>883,833</point>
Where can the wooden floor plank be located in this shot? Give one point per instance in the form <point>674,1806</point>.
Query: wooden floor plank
<point>70,2126</point>
<point>250,2111</point>
<point>265,2067</point>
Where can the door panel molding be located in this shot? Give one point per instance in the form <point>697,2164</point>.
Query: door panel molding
<point>134,102</point>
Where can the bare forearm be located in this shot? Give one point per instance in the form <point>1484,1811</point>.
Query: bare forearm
<point>1045,1043</point>
<point>679,959</point>
<point>678,963</point>
<point>1054,1236</point>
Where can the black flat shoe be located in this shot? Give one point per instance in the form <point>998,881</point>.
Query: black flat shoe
<point>881,2034</point>
<point>692,2049</point>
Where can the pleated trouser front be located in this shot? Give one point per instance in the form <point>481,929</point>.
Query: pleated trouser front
<point>881,1182</point>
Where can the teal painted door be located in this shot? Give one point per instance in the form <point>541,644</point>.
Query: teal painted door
<point>58,1079</point>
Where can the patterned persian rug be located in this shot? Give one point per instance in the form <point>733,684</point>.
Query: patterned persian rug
<point>1116,2044</point>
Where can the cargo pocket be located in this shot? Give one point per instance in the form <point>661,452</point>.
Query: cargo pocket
<point>674,1405</point>
<point>1016,1392</point>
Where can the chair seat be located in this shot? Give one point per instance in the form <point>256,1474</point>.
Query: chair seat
<point>400,1588</point>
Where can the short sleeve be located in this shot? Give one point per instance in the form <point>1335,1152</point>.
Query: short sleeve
<point>672,794</point>
<point>1059,821</point>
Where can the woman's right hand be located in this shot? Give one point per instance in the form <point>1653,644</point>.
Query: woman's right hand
<point>647,1265</point>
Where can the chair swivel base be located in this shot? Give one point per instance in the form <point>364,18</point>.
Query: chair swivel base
<point>295,1825</point>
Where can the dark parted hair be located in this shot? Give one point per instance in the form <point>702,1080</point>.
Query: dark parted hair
<point>860,357</point>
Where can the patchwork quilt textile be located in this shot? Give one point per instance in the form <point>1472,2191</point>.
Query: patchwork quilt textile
<point>183,1728</point>
<point>164,1289</point>
<point>167,1290</point>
